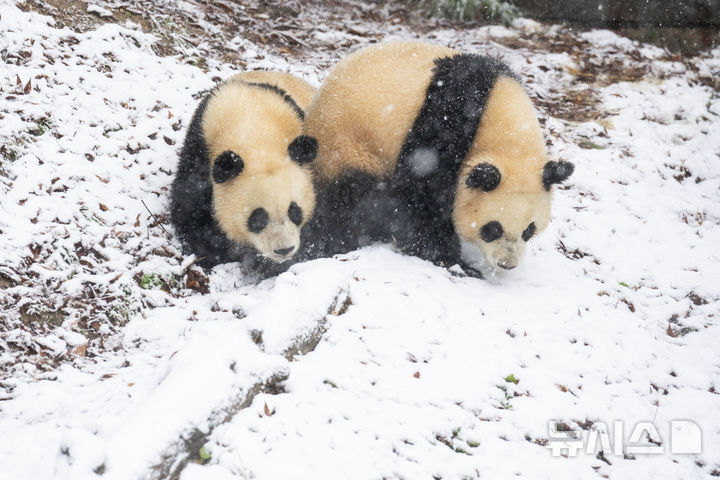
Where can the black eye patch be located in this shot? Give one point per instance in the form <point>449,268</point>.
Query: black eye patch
<point>303,149</point>
<point>491,231</point>
<point>484,176</point>
<point>529,232</point>
<point>227,165</point>
<point>258,220</point>
<point>556,172</point>
<point>295,213</point>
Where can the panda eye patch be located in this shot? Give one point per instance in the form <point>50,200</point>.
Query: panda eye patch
<point>258,220</point>
<point>226,166</point>
<point>491,231</point>
<point>295,213</point>
<point>484,176</point>
<point>529,232</point>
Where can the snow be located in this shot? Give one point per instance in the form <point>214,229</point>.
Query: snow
<point>371,364</point>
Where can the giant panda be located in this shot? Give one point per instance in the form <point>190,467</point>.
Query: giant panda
<point>243,189</point>
<point>437,151</point>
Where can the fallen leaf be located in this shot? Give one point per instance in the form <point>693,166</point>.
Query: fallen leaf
<point>80,350</point>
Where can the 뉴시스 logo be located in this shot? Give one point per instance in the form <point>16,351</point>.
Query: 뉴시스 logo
<point>684,436</point>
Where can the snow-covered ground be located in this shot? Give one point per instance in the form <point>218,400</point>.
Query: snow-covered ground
<point>119,359</point>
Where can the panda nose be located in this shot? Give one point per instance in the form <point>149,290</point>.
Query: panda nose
<point>505,266</point>
<point>283,251</point>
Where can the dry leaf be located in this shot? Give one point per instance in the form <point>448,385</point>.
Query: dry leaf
<point>80,350</point>
<point>27,88</point>
<point>103,207</point>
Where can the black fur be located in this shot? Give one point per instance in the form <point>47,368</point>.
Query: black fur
<point>556,172</point>
<point>347,210</point>
<point>303,149</point>
<point>295,213</point>
<point>484,176</point>
<point>191,207</point>
<point>226,166</point>
<point>275,89</point>
<point>258,220</point>
<point>491,231</point>
<point>529,232</point>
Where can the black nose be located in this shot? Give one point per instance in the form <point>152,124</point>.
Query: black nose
<point>506,266</point>
<point>283,251</point>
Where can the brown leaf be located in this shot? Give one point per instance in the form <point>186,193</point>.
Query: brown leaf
<point>168,140</point>
<point>103,207</point>
<point>18,81</point>
<point>267,411</point>
<point>28,87</point>
<point>671,332</point>
<point>416,374</point>
<point>195,280</point>
<point>80,350</point>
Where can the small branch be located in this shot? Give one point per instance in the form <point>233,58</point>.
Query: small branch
<point>153,215</point>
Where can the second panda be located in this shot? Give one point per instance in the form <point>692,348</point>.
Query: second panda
<point>243,189</point>
<point>437,151</point>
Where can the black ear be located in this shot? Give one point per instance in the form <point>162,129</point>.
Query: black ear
<point>556,172</point>
<point>484,176</point>
<point>227,165</point>
<point>303,149</point>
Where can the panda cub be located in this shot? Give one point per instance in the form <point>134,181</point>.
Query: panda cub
<point>437,151</point>
<point>243,189</point>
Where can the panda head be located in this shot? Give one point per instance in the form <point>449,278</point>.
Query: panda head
<point>499,212</point>
<point>263,196</point>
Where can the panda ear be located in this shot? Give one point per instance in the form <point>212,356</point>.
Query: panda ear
<point>303,149</point>
<point>484,176</point>
<point>227,165</point>
<point>556,172</point>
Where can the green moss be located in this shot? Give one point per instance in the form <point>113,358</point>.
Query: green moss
<point>41,126</point>
<point>204,454</point>
<point>150,281</point>
<point>587,144</point>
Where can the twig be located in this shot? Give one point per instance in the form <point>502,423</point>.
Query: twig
<point>153,215</point>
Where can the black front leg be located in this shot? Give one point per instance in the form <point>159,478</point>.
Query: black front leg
<point>343,215</point>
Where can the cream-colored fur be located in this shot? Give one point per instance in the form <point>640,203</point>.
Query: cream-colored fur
<point>509,137</point>
<point>258,125</point>
<point>301,91</point>
<point>366,107</point>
